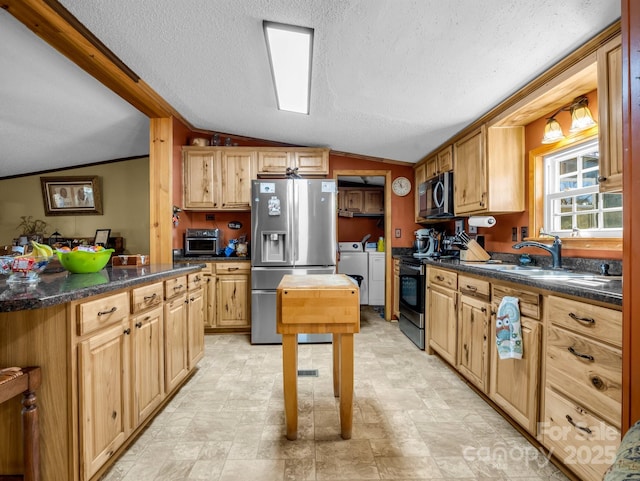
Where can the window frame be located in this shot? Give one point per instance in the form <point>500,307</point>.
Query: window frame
<point>553,177</point>
<point>536,197</point>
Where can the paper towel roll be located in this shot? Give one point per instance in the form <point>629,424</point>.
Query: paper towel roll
<point>482,221</point>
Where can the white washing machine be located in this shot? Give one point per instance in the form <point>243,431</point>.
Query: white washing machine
<point>354,261</point>
<point>376,278</point>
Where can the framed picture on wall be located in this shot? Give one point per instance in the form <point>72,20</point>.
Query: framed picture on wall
<point>71,195</point>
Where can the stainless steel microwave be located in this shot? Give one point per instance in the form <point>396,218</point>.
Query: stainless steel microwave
<point>436,197</point>
<point>202,242</point>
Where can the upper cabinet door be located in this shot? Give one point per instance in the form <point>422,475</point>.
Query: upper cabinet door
<point>238,169</point>
<point>200,179</point>
<point>470,178</point>
<point>610,115</point>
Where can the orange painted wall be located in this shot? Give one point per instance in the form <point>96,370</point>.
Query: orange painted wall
<point>498,238</point>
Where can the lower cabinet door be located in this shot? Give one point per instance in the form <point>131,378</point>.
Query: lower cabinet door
<point>175,342</point>
<point>148,359</point>
<point>473,323</point>
<point>104,367</point>
<point>195,327</point>
<point>514,384</point>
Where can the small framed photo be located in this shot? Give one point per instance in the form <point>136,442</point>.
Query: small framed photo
<point>72,195</point>
<point>102,237</point>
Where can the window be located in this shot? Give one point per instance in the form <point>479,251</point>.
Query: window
<point>573,207</point>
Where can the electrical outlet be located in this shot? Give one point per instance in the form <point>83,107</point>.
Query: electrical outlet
<point>209,217</point>
<point>514,234</point>
<point>398,233</point>
<point>524,232</point>
<point>459,226</point>
<point>473,229</point>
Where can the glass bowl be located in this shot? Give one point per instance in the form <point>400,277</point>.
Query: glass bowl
<point>84,262</point>
<point>23,269</point>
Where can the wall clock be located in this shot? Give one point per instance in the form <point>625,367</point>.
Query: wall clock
<point>401,186</point>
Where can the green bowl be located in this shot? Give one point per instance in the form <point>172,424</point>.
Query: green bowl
<point>84,262</point>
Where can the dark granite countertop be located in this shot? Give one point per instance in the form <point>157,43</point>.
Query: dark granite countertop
<point>180,259</point>
<point>60,287</point>
<point>609,292</point>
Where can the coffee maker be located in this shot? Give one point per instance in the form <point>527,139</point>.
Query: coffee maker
<point>426,243</point>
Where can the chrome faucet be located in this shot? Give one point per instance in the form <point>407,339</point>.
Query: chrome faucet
<point>555,249</point>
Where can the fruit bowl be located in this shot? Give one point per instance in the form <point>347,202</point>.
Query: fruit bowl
<point>23,269</point>
<point>84,262</point>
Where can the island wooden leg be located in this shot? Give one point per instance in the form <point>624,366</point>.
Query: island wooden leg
<point>346,385</point>
<point>336,365</point>
<point>290,381</point>
<point>31,437</point>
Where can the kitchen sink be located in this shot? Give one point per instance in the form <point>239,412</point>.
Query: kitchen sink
<point>549,274</point>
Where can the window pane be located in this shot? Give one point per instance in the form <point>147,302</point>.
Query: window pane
<point>590,160</point>
<point>568,166</point>
<point>586,221</point>
<point>612,220</point>
<point>570,182</point>
<point>611,200</point>
<point>589,178</point>
<point>565,205</point>
<point>585,202</point>
<point>566,222</point>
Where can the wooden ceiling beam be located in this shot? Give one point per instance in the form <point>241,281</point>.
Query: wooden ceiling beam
<point>50,21</point>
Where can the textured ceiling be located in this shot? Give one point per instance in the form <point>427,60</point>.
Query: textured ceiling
<point>391,79</point>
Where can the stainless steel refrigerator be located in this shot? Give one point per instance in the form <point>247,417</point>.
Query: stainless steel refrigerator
<point>293,231</point>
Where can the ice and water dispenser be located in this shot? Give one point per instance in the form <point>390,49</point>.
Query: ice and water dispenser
<point>273,246</point>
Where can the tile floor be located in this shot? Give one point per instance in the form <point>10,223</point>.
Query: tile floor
<point>414,419</point>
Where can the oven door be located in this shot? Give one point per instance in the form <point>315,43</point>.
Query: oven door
<point>412,293</point>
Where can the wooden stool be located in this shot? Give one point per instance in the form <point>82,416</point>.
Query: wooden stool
<point>24,381</point>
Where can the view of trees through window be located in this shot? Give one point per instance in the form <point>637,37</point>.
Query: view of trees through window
<point>573,205</point>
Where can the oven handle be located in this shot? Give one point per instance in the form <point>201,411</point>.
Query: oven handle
<point>412,267</point>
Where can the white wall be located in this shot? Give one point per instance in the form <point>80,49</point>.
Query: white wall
<point>125,201</point>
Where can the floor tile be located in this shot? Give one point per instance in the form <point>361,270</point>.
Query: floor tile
<point>414,419</point>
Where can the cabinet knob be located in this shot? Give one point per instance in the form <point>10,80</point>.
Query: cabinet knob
<point>602,178</point>
<point>138,325</point>
<point>127,331</point>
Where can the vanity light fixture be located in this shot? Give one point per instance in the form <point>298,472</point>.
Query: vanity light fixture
<point>290,51</point>
<point>581,119</point>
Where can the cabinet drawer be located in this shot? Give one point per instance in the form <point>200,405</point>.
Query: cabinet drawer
<point>232,267</point>
<point>474,287</point>
<point>102,312</point>
<point>529,301</point>
<point>582,441</point>
<point>441,277</point>
<point>147,296</point>
<point>195,280</point>
<point>594,321</point>
<point>587,371</point>
<point>208,269</point>
<point>174,287</point>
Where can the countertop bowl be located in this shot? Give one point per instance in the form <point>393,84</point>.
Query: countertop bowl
<point>23,269</point>
<point>84,262</point>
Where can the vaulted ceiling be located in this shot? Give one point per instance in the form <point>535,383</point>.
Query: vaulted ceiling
<point>391,79</point>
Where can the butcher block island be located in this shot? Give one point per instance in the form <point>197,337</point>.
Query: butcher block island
<point>113,348</point>
<point>318,304</point>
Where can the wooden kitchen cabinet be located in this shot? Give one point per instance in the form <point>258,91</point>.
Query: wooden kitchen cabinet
<point>610,115</point>
<point>233,295</point>
<point>195,320</point>
<point>442,320</point>
<point>308,161</point>
<point>374,201</point>
<point>353,200</point>
<point>368,201</point>
<point>218,178</point>
<point>420,176</point>
<point>200,177</point>
<point>489,171</point>
<point>514,384</point>
<point>104,373</point>
<point>237,172</point>
<point>209,296</point>
<point>439,163</point>
<point>583,383</point>
<point>473,330</point>
<point>148,362</point>
<point>175,341</point>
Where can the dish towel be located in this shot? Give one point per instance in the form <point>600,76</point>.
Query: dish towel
<point>508,329</point>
